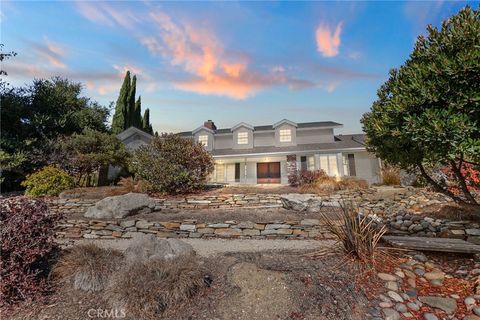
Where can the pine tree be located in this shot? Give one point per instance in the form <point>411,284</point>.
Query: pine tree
<point>121,117</point>
<point>132,120</point>
<point>138,113</point>
<point>147,127</point>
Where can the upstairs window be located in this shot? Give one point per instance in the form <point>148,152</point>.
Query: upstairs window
<point>285,135</point>
<point>242,138</point>
<point>203,139</point>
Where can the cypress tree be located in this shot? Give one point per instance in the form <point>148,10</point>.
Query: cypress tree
<point>120,119</point>
<point>132,121</point>
<point>147,127</point>
<point>138,114</point>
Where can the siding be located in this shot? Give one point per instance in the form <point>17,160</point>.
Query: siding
<point>314,136</point>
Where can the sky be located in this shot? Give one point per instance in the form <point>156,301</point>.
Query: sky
<point>232,62</point>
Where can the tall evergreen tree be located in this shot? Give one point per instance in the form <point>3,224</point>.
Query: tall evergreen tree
<point>121,117</point>
<point>132,120</point>
<point>138,113</point>
<point>147,127</point>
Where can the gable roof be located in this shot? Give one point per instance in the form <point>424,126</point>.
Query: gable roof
<point>242,124</point>
<point>284,121</point>
<point>132,131</point>
<point>302,125</point>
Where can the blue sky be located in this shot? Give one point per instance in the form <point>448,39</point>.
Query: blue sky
<point>254,62</point>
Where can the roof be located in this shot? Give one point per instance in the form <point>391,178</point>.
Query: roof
<point>131,131</point>
<point>317,124</point>
<point>342,142</point>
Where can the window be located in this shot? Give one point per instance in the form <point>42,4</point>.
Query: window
<point>242,138</point>
<point>237,172</point>
<point>328,163</point>
<point>311,163</point>
<point>285,135</point>
<point>203,139</point>
<point>303,163</point>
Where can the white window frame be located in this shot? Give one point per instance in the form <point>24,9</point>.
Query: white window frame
<point>242,137</point>
<point>203,140</point>
<point>285,135</point>
<point>331,163</point>
<point>311,163</point>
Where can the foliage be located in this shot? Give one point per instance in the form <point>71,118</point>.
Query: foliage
<point>349,183</point>
<point>317,181</point>
<point>173,164</point>
<point>358,234</point>
<point>49,181</point>
<point>128,113</point>
<point>32,117</point>
<point>130,184</point>
<point>87,267</point>
<point>428,111</point>
<point>472,178</point>
<point>150,289</point>
<point>85,153</point>
<point>27,239</point>
<point>390,175</point>
<point>305,177</point>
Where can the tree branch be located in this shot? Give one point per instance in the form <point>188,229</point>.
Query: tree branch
<point>461,180</point>
<point>438,187</point>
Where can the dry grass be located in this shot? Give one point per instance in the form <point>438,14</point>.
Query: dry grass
<point>87,267</point>
<point>132,185</point>
<point>150,289</point>
<point>390,175</point>
<point>357,233</point>
<point>327,185</point>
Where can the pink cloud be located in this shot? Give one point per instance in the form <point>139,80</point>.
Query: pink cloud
<point>328,42</point>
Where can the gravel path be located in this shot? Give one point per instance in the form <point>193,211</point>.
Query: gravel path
<point>213,247</point>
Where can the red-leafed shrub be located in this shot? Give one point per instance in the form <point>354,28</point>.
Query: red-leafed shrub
<point>306,177</point>
<point>471,175</point>
<point>27,232</point>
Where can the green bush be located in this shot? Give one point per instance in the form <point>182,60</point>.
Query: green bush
<point>173,164</point>
<point>49,181</point>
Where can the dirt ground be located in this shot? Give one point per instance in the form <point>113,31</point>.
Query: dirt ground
<point>262,285</point>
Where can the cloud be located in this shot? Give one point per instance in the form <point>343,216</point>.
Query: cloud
<point>50,53</point>
<point>328,42</point>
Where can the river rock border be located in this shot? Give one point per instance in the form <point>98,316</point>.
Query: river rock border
<point>103,229</point>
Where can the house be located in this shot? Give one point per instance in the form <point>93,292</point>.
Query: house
<point>246,154</point>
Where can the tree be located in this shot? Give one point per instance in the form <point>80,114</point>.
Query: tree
<point>132,120</point>
<point>147,127</point>
<point>32,117</point>
<point>173,164</point>
<point>428,112</point>
<point>85,153</point>
<point>138,113</point>
<point>120,119</point>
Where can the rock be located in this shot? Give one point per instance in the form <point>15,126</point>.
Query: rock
<point>411,282</point>
<point>400,274</point>
<point>147,246</point>
<point>448,305</point>
<point>187,227</point>
<point>434,275</point>
<point>385,304</point>
<point>391,285</point>
<point>476,310</point>
<point>245,225</point>
<point>419,271</point>
<point>390,314</point>
<point>436,283</point>
<point>430,316</point>
<point>277,226</point>
<point>473,232</point>
<point>386,277</point>
<point>471,317</point>
<point>228,232</point>
<point>296,201</point>
<point>395,296</point>
<point>219,225</point>
<point>413,306</point>
<point>143,224</point>
<point>400,307</point>
<point>310,222</point>
<point>469,302</point>
<point>420,257</point>
<point>127,223</point>
<point>120,206</point>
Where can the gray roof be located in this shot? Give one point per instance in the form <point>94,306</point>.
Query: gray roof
<point>317,124</point>
<point>341,142</point>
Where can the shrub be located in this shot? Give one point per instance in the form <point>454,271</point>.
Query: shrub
<point>472,178</point>
<point>173,164</point>
<point>359,234</point>
<point>348,183</point>
<point>390,175</point>
<point>319,182</point>
<point>27,232</point>
<point>130,184</point>
<point>150,288</point>
<point>87,267</point>
<point>49,181</point>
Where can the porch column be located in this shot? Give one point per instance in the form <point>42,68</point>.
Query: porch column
<point>340,164</point>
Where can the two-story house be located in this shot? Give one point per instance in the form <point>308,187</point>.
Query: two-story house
<point>246,154</point>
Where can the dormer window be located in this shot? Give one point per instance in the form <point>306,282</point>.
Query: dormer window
<point>203,139</point>
<point>242,138</point>
<point>285,135</point>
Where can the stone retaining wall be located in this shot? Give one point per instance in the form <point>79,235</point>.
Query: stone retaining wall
<point>94,229</point>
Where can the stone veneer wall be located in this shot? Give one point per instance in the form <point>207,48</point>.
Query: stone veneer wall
<point>95,229</point>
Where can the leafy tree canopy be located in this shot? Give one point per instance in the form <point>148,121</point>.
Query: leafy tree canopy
<point>428,111</point>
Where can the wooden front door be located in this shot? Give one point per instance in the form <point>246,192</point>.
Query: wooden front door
<point>268,172</point>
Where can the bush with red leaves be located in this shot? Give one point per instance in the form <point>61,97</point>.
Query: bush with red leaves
<point>470,173</point>
<point>27,242</point>
<point>306,177</point>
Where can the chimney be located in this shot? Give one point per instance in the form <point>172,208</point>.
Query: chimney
<point>210,125</point>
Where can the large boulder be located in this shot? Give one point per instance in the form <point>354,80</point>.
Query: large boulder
<point>121,206</point>
<point>147,246</point>
<point>297,201</point>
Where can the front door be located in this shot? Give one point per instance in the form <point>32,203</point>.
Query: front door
<point>268,172</point>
